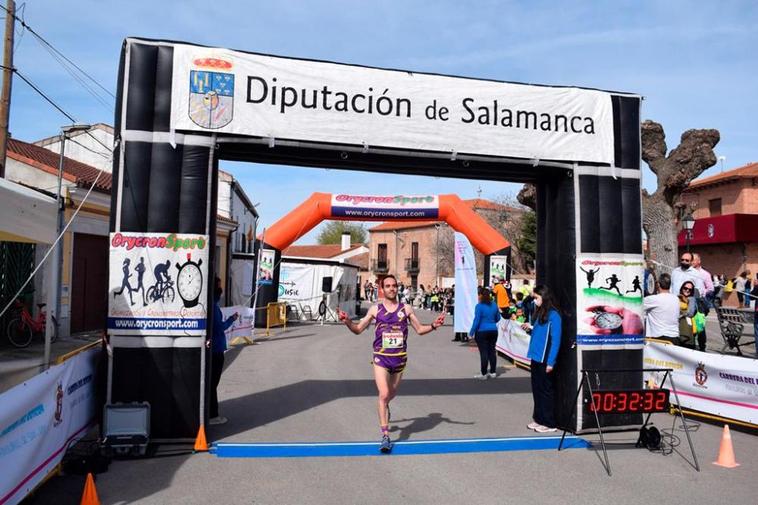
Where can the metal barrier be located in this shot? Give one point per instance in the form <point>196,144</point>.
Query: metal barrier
<point>276,315</point>
<point>63,357</point>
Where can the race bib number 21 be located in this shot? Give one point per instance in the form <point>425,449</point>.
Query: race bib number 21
<point>392,340</point>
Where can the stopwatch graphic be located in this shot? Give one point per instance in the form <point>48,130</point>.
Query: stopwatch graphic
<point>189,282</point>
<point>607,320</point>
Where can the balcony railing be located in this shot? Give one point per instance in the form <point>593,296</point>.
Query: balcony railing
<point>380,266</point>
<point>412,265</point>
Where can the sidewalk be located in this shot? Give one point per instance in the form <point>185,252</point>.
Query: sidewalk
<point>18,365</point>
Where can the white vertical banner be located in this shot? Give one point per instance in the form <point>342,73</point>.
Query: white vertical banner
<point>465,284</point>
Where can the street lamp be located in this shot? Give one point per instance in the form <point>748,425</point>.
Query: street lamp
<point>54,290</point>
<point>688,222</point>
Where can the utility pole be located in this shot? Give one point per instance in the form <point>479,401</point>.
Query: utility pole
<point>5,98</point>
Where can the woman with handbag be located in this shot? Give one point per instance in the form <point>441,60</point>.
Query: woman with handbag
<point>545,341</point>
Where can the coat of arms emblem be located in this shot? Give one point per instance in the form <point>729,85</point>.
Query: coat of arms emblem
<point>211,98</point>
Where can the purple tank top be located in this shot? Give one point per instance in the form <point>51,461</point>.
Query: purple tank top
<point>391,334</point>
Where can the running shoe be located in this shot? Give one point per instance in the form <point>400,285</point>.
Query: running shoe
<point>545,429</point>
<point>386,445</point>
<point>533,425</point>
<point>480,377</point>
<point>492,375</point>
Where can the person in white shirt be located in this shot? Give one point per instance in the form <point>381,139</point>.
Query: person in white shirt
<point>706,275</point>
<point>685,272</point>
<point>662,312</point>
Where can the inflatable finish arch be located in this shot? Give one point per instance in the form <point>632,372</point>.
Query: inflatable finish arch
<point>182,107</point>
<point>325,206</point>
<point>448,208</point>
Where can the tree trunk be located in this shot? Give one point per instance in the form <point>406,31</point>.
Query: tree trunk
<point>659,222</point>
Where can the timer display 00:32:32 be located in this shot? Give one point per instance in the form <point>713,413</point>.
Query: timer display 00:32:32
<point>641,401</point>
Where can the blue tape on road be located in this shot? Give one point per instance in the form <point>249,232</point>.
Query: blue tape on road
<point>402,448</point>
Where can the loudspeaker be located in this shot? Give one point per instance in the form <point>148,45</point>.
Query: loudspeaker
<point>326,284</point>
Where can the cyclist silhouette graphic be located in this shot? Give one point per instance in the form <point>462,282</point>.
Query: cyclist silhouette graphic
<point>162,289</point>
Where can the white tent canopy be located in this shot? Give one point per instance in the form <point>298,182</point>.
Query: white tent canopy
<point>300,285</point>
<point>26,215</point>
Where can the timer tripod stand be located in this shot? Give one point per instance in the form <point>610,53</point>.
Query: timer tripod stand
<point>638,401</point>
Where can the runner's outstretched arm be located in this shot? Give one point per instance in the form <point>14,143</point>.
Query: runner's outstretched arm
<point>362,324</point>
<point>422,329</point>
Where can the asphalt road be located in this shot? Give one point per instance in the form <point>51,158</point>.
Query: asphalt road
<point>314,383</point>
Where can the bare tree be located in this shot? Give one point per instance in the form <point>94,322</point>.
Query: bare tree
<point>506,219</point>
<point>528,196</point>
<point>662,210</point>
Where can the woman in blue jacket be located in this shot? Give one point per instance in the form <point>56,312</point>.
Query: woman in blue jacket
<point>484,330</point>
<point>543,351</point>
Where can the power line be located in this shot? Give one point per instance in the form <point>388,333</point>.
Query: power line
<point>50,47</point>
<point>57,107</point>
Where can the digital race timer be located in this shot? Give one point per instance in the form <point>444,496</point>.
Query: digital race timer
<point>641,401</point>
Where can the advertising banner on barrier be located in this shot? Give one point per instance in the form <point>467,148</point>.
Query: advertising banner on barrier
<point>158,284</point>
<point>39,420</point>
<point>465,284</point>
<point>726,386</point>
<point>609,301</point>
<point>513,341</point>
<point>242,328</point>
<point>367,207</point>
<point>227,91</point>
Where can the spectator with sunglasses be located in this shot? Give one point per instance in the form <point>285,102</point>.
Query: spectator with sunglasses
<point>686,272</point>
<point>687,310</point>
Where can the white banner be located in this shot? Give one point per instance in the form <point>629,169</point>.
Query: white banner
<point>266,266</point>
<point>227,91</point>
<point>242,327</point>
<point>513,341</point>
<point>144,298</point>
<point>385,207</point>
<point>465,284</point>
<point>609,301</point>
<point>498,269</point>
<point>40,419</point>
<point>726,386</point>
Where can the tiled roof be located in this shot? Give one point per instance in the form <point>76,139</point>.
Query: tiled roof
<point>46,160</point>
<point>360,260</point>
<point>317,251</point>
<point>747,171</point>
<point>402,225</point>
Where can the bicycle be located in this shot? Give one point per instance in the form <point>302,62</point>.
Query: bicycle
<point>166,293</point>
<point>21,329</point>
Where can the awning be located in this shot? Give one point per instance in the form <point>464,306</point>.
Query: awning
<point>726,229</point>
<point>26,215</point>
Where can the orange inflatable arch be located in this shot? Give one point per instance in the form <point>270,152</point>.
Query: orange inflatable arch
<point>451,209</point>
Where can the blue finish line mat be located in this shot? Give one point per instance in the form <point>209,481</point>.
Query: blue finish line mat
<point>400,448</point>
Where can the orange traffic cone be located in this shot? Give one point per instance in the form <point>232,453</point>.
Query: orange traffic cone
<point>726,451</point>
<point>201,445</point>
<point>89,496</point>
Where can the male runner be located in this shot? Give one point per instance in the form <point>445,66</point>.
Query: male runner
<point>390,346</point>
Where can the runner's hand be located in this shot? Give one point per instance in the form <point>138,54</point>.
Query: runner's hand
<point>548,369</point>
<point>440,321</point>
<point>342,316</point>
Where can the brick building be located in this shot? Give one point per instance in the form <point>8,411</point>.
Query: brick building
<point>726,221</point>
<point>409,249</point>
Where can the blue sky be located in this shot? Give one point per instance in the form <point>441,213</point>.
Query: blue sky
<point>695,63</point>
